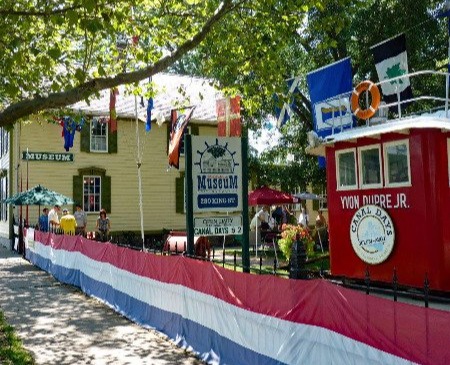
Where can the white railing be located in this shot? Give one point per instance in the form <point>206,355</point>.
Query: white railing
<point>339,104</point>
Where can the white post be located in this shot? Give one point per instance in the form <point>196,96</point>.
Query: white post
<point>139,163</point>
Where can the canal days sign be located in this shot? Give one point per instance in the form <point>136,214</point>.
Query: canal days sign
<point>218,226</point>
<point>372,234</point>
<point>47,156</point>
<point>216,174</point>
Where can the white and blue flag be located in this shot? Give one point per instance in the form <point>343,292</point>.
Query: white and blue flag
<point>333,82</point>
<point>287,111</point>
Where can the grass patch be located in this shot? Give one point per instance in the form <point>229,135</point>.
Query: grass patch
<point>12,351</point>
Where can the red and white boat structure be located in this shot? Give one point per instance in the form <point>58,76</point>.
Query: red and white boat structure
<point>388,187</point>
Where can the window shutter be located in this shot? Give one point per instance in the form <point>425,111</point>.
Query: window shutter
<point>106,193</point>
<point>179,194</point>
<point>194,129</point>
<point>85,136</point>
<point>112,141</point>
<point>77,193</point>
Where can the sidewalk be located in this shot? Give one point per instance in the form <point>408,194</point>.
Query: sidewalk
<point>59,324</point>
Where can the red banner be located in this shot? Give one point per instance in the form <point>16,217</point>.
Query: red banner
<point>229,117</point>
<point>112,109</point>
<point>179,125</point>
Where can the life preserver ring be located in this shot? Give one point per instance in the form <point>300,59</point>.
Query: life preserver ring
<point>376,97</point>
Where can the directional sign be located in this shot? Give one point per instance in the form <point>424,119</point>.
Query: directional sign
<point>218,226</point>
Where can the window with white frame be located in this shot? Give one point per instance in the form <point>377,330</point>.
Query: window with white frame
<point>92,193</point>
<point>397,170</point>
<point>99,135</point>
<point>370,166</point>
<point>346,169</point>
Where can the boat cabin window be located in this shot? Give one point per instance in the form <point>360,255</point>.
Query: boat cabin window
<point>370,167</point>
<point>346,169</point>
<point>397,168</point>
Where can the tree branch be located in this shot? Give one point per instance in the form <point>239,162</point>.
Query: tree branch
<point>57,100</point>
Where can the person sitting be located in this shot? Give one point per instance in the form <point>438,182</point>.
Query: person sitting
<point>103,226</point>
<point>320,220</point>
<point>321,232</point>
<point>68,223</point>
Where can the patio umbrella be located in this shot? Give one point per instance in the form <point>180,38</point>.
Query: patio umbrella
<point>268,196</point>
<point>308,196</point>
<point>39,195</point>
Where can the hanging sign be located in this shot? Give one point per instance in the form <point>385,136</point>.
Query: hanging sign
<point>372,234</point>
<point>47,156</point>
<point>216,174</point>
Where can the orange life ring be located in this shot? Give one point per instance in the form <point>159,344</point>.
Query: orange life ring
<point>376,97</point>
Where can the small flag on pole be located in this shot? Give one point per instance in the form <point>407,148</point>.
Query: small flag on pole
<point>148,125</point>
<point>284,113</point>
<point>179,124</point>
<point>112,109</point>
<point>391,61</point>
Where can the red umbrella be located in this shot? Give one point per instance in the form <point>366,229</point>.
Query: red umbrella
<point>268,196</point>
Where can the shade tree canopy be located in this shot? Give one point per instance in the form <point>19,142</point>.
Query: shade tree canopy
<point>57,52</point>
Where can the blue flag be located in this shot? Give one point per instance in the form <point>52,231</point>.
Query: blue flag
<point>148,125</point>
<point>331,116</point>
<point>284,114</point>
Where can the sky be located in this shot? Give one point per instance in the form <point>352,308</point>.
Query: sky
<point>268,138</point>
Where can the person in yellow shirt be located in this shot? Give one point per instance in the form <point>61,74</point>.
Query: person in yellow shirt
<point>68,223</point>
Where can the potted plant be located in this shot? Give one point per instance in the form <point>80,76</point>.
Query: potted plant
<point>289,234</point>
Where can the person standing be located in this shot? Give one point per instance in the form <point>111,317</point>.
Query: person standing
<point>81,218</point>
<point>53,219</point>
<point>68,223</point>
<point>259,218</point>
<point>303,218</point>
<point>103,226</point>
<point>43,220</point>
<point>286,214</point>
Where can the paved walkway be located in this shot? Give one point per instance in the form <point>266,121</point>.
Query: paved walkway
<point>59,324</point>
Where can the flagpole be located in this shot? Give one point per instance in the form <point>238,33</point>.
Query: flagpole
<point>139,163</point>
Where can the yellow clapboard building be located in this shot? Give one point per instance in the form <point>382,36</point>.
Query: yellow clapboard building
<point>100,171</point>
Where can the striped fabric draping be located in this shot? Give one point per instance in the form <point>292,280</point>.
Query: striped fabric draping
<point>236,318</point>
